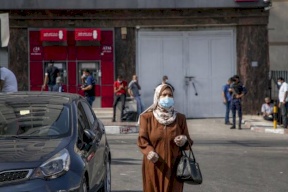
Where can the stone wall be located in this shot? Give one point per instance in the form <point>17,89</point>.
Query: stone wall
<point>18,56</point>
<point>253,65</point>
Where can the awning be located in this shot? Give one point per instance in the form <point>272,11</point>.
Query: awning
<point>53,35</point>
<point>87,34</point>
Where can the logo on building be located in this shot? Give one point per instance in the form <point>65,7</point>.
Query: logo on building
<point>95,34</point>
<point>60,34</point>
<point>107,49</point>
<point>36,51</point>
<point>87,34</point>
<point>53,35</point>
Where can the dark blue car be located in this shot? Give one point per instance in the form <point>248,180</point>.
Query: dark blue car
<point>51,142</point>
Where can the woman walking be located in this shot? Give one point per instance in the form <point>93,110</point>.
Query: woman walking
<point>161,134</point>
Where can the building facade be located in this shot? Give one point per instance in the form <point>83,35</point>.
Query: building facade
<point>278,44</point>
<point>198,45</point>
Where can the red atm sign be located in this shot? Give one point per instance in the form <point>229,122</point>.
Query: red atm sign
<point>53,35</point>
<point>87,34</point>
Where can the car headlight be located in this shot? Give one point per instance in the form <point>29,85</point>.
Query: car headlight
<point>54,167</point>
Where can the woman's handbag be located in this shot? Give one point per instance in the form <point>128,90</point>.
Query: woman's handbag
<point>188,169</point>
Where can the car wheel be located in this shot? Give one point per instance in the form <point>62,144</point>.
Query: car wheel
<point>83,186</point>
<point>107,181</point>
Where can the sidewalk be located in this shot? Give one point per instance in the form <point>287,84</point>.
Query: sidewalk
<point>253,122</point>
<point>258,124</point>
<point>120,127</point>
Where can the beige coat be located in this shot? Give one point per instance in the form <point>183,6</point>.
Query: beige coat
<point>153,136</point>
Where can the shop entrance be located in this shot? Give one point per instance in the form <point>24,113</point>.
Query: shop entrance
<point>72,53</point>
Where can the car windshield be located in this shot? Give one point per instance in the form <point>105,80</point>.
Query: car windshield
<point>33,117</point>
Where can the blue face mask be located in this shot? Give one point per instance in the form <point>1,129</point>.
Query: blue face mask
<point>166,102</point>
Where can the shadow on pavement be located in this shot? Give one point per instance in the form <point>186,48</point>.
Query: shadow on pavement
<point>126,161</point>
<point>246,143</point>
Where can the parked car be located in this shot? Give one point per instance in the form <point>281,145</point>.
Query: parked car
<point>52,142</point>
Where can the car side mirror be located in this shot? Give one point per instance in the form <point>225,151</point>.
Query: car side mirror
<point>90,135</point>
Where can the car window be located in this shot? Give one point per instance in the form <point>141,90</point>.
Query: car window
<point>91,118</point>
<point>94,121</point>
<point>86,124</point>
<point>89,113</point>
<point>33,118</point>
<point>83,124</point>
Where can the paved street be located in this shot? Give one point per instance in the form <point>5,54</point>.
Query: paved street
<point>230,160</point>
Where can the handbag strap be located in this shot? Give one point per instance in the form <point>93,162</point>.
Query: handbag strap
<point>190,148</point>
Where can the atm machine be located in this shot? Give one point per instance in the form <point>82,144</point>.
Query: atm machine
<point>62,70</point>
<point>95,70</point>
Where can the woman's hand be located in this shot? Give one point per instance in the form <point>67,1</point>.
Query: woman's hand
<point>152,156</point>
<point>180,140</point>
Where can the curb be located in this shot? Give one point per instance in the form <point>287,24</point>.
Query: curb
<point>269,130</point>
<point>126,129</point>
<point>265,128</point>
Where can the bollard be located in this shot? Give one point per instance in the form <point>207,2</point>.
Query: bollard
<point>275,116</point>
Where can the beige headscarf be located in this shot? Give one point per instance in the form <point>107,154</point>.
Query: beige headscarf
<point>163,116</point>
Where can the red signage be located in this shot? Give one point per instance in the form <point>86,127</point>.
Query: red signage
<point>53,34</point>
<point>87,34</point>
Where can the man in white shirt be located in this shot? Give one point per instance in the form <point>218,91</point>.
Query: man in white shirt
<point>283,103</point>
<point>267,109</point>
<point>8,82</point>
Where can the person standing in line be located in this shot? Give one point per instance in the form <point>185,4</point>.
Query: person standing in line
<point>133,90</point>
<point>238,91</point>
<point>227,100</point>
<point>89,87</point>
<point>8,81</point>
<point>83,77</point>
<point>165,81</point>
<point>120,89</point>
<point>267,109</point>
<point>162,132</point>
<point>283,100</point>
<point>59,83</point>
<point>51,74</point>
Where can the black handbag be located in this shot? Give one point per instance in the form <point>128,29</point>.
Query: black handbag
<point>188,169</point>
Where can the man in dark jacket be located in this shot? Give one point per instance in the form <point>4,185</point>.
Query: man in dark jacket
<point>227,99</point>
<point>237,91</point>
<point>51,74</point>
<point>89,86</point>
